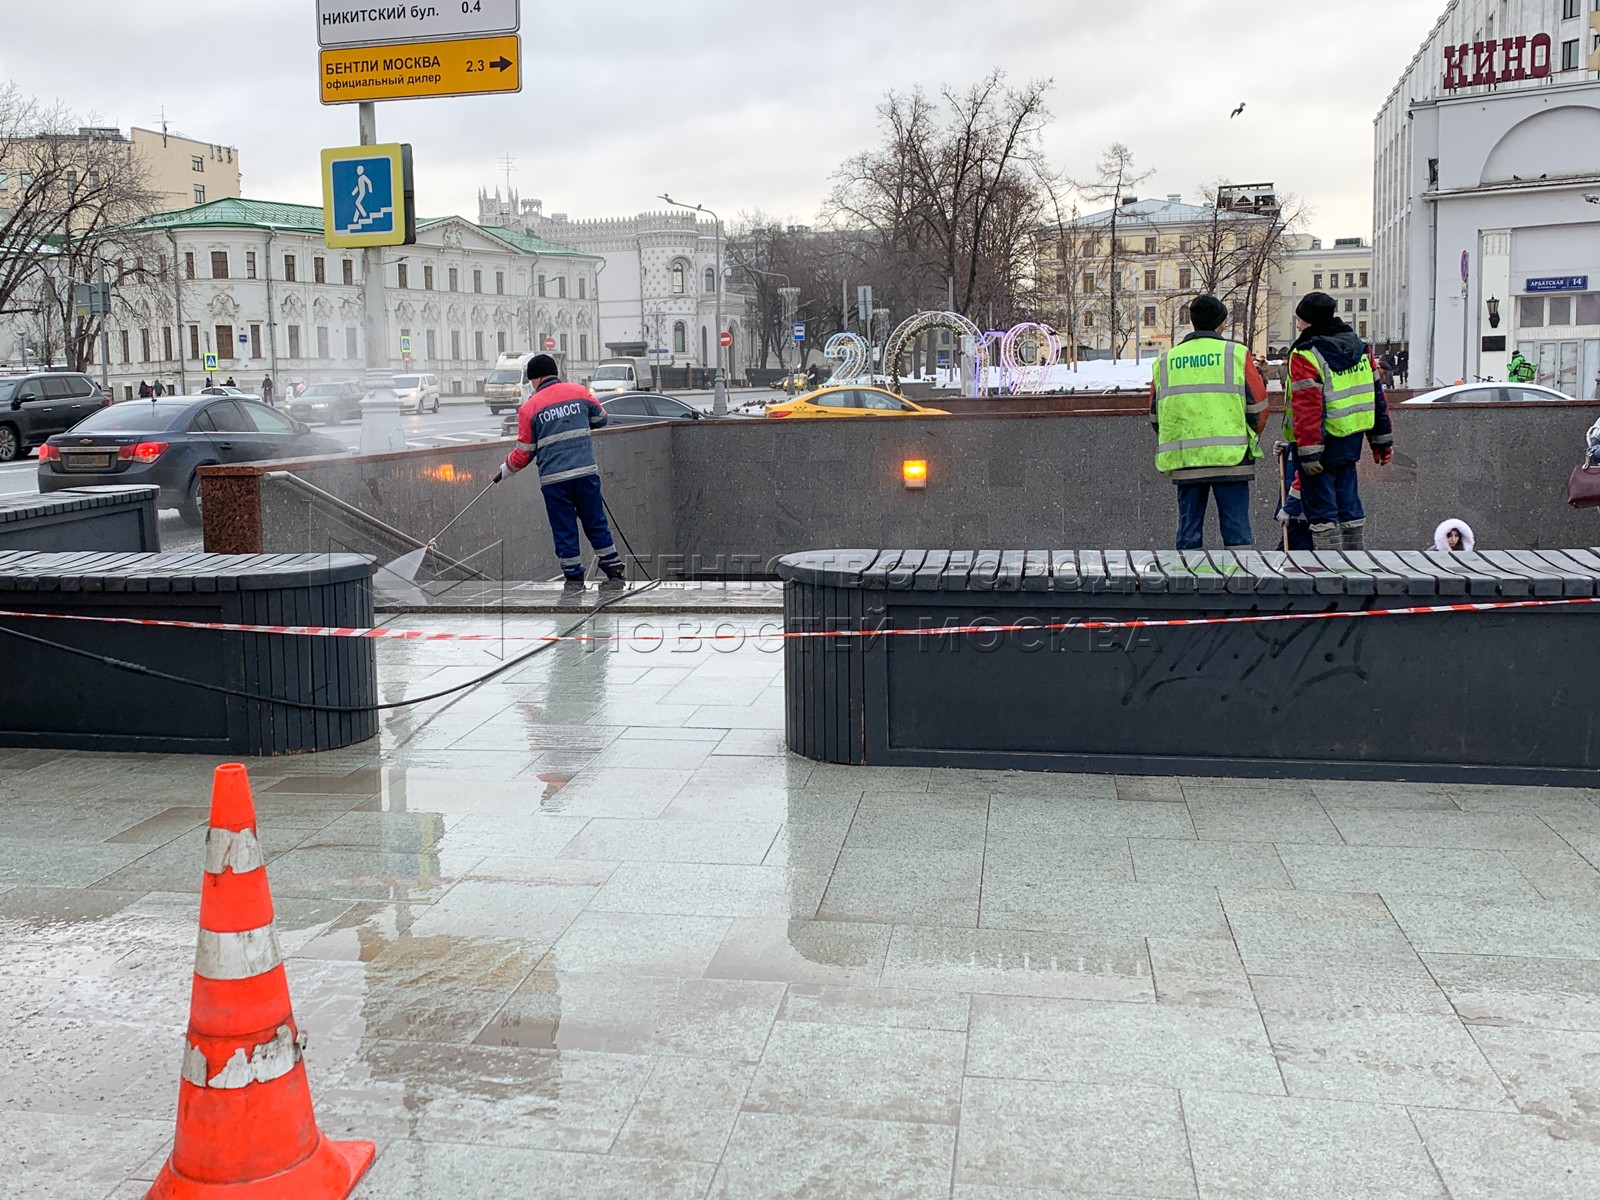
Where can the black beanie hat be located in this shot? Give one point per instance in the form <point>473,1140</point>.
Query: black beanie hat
<point>1317,309</point>
<point>541,366</point>
<point>1207,312</point>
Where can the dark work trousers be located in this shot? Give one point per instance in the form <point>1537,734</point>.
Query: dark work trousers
<point>568,503</point>
<point>1332,497</point>
<point>1233,513</point>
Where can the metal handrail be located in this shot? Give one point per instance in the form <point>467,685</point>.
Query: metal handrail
<point>383,526</point>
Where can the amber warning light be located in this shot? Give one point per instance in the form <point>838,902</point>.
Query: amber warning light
<point>914,473</point>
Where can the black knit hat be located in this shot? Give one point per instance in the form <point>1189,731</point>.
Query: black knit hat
<point>541,366</point>
<point>1207,312</point>
<point>1317,309</point>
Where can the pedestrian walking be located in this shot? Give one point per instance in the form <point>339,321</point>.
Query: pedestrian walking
<point>158,389</point>
<point>266,390</point>
<point>1208,404</point>
<point>1454,534</point>
<point>553,427</point>
<point>144,390</point>
<point>230,383</point>
<point>1332,403</point>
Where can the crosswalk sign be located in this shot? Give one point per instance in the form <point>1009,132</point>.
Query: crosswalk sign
<point>211,362</point>
<point>366,196</point>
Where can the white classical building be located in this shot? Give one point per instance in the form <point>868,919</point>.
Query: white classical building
<point>658,292</point>
<point>1487,196</point>
<point>254,283</point>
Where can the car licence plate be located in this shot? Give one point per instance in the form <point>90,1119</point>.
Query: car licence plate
<point>86,462</point>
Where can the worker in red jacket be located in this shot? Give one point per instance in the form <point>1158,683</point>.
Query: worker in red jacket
<point>553,427</point>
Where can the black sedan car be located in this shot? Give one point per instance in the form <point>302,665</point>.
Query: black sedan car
<point>165,442</point>
<point>629,408</point>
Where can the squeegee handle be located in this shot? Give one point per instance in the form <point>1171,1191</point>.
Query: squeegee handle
<point>460,514</point>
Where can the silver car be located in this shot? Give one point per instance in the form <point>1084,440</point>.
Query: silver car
<point>1492,393</point>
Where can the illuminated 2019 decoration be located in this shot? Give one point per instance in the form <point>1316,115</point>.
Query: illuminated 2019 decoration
<point>918,324</point>
<point>849,350</point>
<point>1022,377</point>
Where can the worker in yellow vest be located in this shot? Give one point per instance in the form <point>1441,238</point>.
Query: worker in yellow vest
<point>1208,405</point>
<point>1333,401</point>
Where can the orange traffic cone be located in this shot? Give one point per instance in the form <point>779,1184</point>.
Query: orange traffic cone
<point>245,1126</point>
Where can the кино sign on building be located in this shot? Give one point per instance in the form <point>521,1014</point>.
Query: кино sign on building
<point>1475,64</point>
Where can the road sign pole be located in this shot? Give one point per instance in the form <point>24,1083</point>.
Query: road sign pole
<point>105,328</point>
<point>380,408</point>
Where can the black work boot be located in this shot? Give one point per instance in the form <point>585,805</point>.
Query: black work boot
<point>616,576</point>
<point>571,585</point>
<point>1353,535</point>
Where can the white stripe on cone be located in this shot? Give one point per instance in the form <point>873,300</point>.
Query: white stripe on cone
<point>269,1061</point>
<point>235,848</point>
<point>237,955</point>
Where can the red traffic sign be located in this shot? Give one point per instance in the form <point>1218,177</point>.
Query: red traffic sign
<point>549,343</point>
<point>726,338</point>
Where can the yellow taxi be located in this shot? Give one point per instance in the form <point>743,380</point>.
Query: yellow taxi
<point>851,400</point>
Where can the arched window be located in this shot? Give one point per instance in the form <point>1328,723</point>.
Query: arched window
<point>679,278</point>
<point>680,338</point>
<point>711,280</point>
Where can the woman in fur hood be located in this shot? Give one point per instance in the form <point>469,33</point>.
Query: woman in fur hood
<point>1453,535</point>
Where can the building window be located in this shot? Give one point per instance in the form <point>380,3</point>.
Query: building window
<point>144,345</point>
<point>477,344</point>
<point>1333,281</point>
<point>125,346</point>
<point>455,343</point>
<point>583,291</point>
<point>1183,316</point>
<point>1361,304</point>
<point>294,341</point>
<point>563,343</point>
<point>1185,278</point>
<point>1149,245</point>
<point>255,341</point>
<point>561,286</point>
<point>1364,279</point>
<point>219,264</point>
<point>1361,329</point>
<point>1316,282</point>
<point>433,344</point>
<point>194,342</point>
<point>454,278</point>
<point>477,280</point>
<point>500,341</point>
<point>199,194</point>
<point>1569,55</point>
<point>352,343</point>
<point>1149,281</point>
<point>319,269</point>
<point>225,342</point>
<point>188,264</point>
<point>249,264</point>
<point>347,271</point>
<point>1530,312</point>
<point>540,287</point>
<point>583,345</point>
<point>288,268</point>
<point>1588,308</point>
<point>1560,310</point>
<point>711,281</point>
<point>1349,306</point>
<point>427,277</point>
<point>680,338</point>
<point>166,343</point>
<point>1088,320</point>
<point>499,283</point>
<point>1149,314</point>
<point>679,284</point>
<point>323,350</point>
<point>197,163</point>
<point>1185,244</point>
<point>1569,9</point>
<point>402,276</point>
<point>1349,279</point>
<point>1088,282</point>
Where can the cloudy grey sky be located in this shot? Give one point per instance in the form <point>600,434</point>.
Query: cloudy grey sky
<point>751,104</point>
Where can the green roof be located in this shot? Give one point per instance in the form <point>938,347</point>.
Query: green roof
<point>236,213</point>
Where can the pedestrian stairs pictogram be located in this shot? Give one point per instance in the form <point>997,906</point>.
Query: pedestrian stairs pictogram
<point>361,223</point>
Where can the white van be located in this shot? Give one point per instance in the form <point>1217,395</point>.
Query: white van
<point>503,389</point>
<point>615,375</point>
<point>418,392</point>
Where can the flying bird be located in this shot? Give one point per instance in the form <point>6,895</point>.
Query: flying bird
<point>1236,111</point>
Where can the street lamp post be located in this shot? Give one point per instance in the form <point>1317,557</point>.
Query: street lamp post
<point>719,382</point>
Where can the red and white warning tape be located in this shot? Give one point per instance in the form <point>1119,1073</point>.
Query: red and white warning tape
<point>422,635</point>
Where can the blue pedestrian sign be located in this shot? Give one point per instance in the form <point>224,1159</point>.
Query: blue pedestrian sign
<point>366,196</point>
<point>211,363</point>
<point>799,331</point>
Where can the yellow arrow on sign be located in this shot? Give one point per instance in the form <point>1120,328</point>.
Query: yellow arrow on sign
<point>421,70</point>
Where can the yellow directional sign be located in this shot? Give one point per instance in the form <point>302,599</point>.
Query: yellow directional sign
<point>421,70</point>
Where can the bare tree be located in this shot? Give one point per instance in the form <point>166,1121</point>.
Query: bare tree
<point>1114,182</point>
<point>1232,253</point>
<point>74,195</point>
<point>954,195</point>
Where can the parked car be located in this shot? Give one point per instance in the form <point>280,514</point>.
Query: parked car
<point>226,389</point>
<point>34,406</point>
<point>1491,393</point>
<point>851,401</point>
<point>617,375</point>
<point>329,403</point>
<point>630,408</point>
<point>165,442</point>
<point>417,392</point>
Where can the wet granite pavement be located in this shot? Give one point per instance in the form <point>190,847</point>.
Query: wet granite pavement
<point>588,932</point>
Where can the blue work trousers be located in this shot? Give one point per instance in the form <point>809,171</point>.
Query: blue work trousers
<point>1332,497</point>
<point>568,503</point>
<point>1233,513</point>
